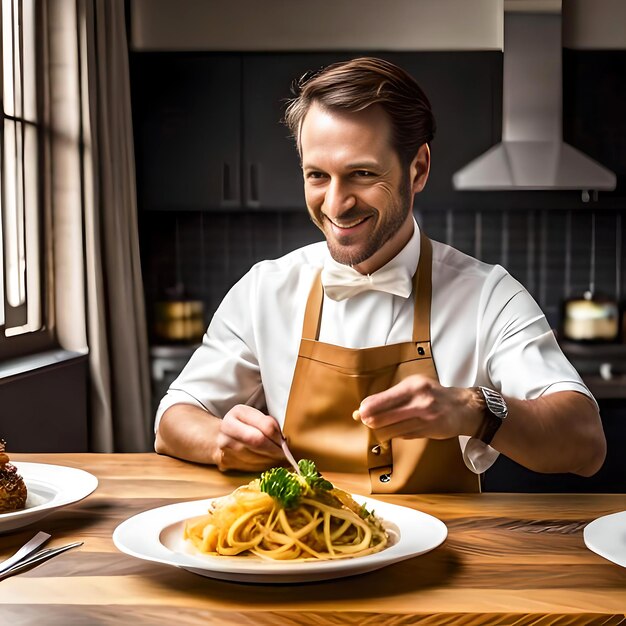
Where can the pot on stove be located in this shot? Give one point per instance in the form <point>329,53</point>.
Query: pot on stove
<point>590,318</point>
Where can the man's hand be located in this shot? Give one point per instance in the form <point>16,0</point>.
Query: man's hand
<point>245,439</point>
<point>419,406</point>
<point>558,432</point>
<point>248,440</point>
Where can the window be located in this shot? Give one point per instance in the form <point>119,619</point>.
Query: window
<point>22,310</point>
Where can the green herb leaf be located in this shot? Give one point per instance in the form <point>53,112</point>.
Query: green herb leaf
<point>312,477</point>
<point>283,485</point>
<point>288,488</point>
<point>364,513</point>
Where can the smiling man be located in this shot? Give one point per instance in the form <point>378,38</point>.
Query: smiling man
<point>357,190</point>
<point>443,360</point>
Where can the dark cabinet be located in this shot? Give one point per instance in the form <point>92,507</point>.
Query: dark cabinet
<point>209,134</point>
<point>272,177</point>
<point>186,114</point>
<point>465,93</point>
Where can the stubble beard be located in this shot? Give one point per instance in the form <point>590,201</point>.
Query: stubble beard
<point>392,222</point>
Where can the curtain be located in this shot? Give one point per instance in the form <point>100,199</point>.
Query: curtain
<point>99,306</point>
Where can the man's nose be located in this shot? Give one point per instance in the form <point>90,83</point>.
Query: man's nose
<point>338,199</point>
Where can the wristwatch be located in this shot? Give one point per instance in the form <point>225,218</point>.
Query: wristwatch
<point>495,412</point>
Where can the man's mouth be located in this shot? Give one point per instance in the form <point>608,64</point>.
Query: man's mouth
<point>343,226</point>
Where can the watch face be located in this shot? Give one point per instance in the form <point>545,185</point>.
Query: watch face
<point>495,403</point>
<point>495,411</point>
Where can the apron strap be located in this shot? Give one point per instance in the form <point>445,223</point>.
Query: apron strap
<point>313,311</point>
<point>422,288</point>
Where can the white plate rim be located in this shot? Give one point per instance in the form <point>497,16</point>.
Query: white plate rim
<point>601,535</point>
<point>69,483</point>
<point>139,536</point>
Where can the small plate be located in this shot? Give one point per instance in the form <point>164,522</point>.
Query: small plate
<point>50,487</point>
<point>606,536</point>
<point>157,535</point>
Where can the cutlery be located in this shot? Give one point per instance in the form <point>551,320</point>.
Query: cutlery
<point>289,456</point>
<point>35,559</point>
<point>29,547</point>
<point>287,452</point>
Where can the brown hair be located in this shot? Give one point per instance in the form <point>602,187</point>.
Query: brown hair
<point>359,83</point>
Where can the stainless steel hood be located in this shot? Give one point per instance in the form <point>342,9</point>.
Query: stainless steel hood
<point>532,154</point>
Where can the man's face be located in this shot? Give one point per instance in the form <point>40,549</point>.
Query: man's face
<point>355,188</point>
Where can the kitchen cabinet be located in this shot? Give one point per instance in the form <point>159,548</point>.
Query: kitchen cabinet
<point>186,114</point>
<point>209,135</point>
<point>272,177</point>
<point>465,92</point>
<point>448,78</point>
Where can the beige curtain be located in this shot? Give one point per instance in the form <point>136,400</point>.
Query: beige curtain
<point>92,204</point>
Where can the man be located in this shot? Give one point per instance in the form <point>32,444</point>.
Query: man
<point>448,360</point>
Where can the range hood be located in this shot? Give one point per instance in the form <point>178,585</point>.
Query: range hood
<point>532,154</point>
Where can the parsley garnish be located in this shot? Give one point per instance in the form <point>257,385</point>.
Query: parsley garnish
<point>288,488</point>
<point>313,478</point>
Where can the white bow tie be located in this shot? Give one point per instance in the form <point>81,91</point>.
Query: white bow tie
<point>342,281</point>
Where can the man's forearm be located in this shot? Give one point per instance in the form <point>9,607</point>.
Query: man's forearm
<point>560,432</point>
<point>188,432</point>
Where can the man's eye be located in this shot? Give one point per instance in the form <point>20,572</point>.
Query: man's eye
<point>314,175</point>
<point>364,173</point>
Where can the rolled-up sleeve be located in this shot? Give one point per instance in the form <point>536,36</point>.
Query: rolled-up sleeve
<point>524,359</point>
<point>520,357</point>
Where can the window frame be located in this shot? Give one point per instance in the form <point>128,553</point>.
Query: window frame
<point>43,338</point>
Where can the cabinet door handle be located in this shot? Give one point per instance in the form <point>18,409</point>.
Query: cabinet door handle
<point>230,192</point>
<point>253,185</point>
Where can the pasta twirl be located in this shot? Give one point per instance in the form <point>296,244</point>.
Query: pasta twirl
<point>324,522</point>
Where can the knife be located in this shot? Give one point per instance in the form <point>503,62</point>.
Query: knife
<point>35,559</point>
<point>39,539</point>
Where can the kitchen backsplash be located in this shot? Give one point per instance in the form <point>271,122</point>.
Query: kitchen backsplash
<point>550,251</point>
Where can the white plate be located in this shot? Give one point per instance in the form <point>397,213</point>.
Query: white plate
<point>50,487</point>
<point>606,536</point>
<point>157,535</point>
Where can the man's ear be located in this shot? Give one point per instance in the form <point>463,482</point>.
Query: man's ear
<point>420,168</point>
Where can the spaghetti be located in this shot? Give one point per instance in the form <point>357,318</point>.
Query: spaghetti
<point>321,522</point>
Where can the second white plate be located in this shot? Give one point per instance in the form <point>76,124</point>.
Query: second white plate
<point>157,535</point>
<point>606,536</point>
<point>49,487</point>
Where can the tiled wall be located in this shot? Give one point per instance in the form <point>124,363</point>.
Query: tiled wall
<point>548,251</point>
<point>208,252</point>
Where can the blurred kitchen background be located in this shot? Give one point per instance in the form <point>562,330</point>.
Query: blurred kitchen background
<point>219,187</point>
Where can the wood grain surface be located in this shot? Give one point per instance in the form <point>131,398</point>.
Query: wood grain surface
<point>508,559</point>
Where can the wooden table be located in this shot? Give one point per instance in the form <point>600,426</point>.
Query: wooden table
<point>508,558</point>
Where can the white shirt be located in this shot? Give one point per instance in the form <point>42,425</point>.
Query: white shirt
<point>486,329</point>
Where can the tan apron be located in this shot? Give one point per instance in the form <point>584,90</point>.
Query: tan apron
<point>329,383</point>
